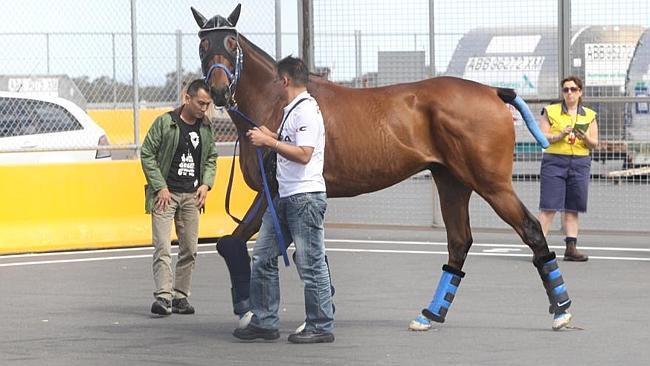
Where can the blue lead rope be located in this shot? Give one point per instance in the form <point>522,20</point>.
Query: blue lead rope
<point>267,193</point>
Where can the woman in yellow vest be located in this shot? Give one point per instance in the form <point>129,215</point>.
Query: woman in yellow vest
<point>572,131</point>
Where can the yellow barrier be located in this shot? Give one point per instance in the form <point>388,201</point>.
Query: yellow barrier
<point>118,123</point>
<point>95,205</point>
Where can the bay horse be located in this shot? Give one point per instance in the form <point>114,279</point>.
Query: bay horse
<point>459,130</point>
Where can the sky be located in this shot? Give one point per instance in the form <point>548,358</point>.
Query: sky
<point>380,25</point>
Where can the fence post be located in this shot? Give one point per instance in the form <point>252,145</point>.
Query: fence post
<point>305,32</point>
<point>135,81</point>
<point>432,40</point>
<point>47,51</point>
<point>564,39</point>
<point>436,220</point>
<point>357,55</point>
<point>114,71</point>
<point>179,66</point>
<point>278,29</point>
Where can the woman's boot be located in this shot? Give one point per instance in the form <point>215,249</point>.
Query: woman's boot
<point>571,253</point>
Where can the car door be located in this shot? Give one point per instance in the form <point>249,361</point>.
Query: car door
<point>28,124</point>
<point>15,135</point>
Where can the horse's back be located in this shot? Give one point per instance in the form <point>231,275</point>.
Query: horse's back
<point>404,128</point>
<point>440,91</point>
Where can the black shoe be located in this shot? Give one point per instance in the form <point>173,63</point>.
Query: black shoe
<point>252,332</point>
<point>161,306</point>
<point>311,337</point>
<point>182,306</point>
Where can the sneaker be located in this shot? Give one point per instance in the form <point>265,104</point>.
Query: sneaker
<point>161,306</point>
<point>305,337</point>
<point>252,332</point>
<point>300,328</point>
<point>245,319</point>
<point>182,306</point>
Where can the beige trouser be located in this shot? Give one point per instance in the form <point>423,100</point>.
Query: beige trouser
<point>182,209</point>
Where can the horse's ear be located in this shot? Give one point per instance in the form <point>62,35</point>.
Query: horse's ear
<point>200,19</point>
<point>234,16</point>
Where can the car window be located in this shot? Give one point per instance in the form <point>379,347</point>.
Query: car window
<point>20,117</point>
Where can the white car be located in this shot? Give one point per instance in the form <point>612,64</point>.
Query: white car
<point>47,123</point>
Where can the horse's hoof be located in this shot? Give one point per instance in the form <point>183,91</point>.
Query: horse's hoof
<point>561,321</point>
<point>420,324</point>
<point>300,328</point>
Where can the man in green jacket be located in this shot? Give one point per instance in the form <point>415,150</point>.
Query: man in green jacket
<point>179,161</point>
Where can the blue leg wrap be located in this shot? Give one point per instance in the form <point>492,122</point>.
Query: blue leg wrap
<point>445,293</point>
<point>553,283</point>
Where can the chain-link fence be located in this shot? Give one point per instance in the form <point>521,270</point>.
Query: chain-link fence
<point>83,52</point>
<point>525,45</point>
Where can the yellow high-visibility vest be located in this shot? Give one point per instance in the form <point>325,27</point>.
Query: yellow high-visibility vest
<point>559,121</point>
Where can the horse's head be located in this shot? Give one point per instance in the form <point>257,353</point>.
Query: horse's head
<point>221,55</point>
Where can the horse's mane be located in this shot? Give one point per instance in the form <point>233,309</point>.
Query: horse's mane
<point>271,59</point>
<point>258,49</point>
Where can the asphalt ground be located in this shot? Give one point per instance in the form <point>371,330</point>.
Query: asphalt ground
<point>92,308</point>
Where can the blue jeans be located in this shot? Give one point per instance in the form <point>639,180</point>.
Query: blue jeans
<point>301,220</point>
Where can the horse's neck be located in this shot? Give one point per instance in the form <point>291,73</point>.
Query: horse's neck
<point>260,98</point>
<point>258,94</point>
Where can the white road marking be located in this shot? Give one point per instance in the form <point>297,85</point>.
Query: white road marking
<point>491,245</point>
<point>496,249</point>
<point>471,254</point>
<point>501,250</point>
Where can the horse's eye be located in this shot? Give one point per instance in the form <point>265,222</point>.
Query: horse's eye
<point>204,46</point>
<point>230,43</point>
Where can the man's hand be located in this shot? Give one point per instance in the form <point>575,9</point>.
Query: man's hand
<point>163,198</point>
<point>268,132</point>
<point>200,195</point>
<point>259,137</point>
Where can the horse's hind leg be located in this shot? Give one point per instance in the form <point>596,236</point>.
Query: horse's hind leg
<point>508,206</point>
<point>454,202</point>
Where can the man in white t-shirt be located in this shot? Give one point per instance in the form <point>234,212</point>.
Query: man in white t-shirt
<point>301,205</point>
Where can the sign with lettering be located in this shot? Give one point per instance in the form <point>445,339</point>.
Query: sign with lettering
<point>606,64</point>
<point>517,72</point>
<point>37,86</point>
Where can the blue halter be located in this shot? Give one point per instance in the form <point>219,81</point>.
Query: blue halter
<point>233,76</point>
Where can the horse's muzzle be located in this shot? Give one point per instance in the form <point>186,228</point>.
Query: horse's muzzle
<point>220,96</point>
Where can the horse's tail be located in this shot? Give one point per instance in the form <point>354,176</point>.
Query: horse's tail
<point>510,96</point>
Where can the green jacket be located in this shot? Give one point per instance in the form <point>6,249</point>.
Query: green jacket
<point>158,151</point>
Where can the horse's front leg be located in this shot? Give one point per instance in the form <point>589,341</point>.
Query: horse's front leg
<point>454,203</point>
<point>234,251</point>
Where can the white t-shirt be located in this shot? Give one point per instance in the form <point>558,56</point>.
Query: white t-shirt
<point>303,127</point>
